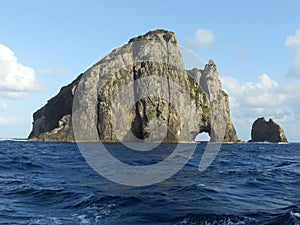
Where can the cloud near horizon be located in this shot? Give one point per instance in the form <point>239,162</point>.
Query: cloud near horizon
<point>15,121</point>
<point>203,39</point>
<point>265,98</point>
<point>265,93</point>
<point>15,78</point>
<point>14,94</point>
<point>293,42</point>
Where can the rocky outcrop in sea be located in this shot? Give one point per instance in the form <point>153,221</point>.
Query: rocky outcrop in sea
<point>140,91</point>
<point>267,131</point>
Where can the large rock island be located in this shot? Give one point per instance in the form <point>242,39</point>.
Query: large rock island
<point>268,131</point>
<point>91,96</point>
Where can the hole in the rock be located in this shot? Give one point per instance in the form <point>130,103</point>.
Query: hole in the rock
<point>202,137</point>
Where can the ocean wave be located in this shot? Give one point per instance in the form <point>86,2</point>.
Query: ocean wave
<point>286,163</point>
<point>216,220</point>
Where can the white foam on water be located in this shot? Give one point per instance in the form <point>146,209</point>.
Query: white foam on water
<point>295,214</point>
<point>224,221</point>
<point>95,215</point>
<point>45,220</point>
<point>12,139</point>
<point>83,219</point>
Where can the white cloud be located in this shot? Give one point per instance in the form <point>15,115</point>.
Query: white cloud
<point>3,106</point>
<point>265,93</point>
<point>293,39</point>
<point>53,71</point>
<point>295,68</point>
<point>265,98</point>
<point>2,121</point>
<point>13,94</point>
<point>12,121</point>
<point>13,75</point>
<point>293,42</point>
<point>238,50</point>
<point>203,39</point>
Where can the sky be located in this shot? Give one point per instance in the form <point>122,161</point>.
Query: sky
<point>44,45</point>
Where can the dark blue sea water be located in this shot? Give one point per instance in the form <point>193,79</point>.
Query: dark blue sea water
<point>50,183</point>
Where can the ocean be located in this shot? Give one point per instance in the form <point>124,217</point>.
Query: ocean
<point>51,183</point>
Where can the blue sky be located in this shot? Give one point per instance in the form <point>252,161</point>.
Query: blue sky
<point>44,45</point>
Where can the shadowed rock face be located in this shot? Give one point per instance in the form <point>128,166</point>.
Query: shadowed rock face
<point>207,109</point>
<point>269,131</point>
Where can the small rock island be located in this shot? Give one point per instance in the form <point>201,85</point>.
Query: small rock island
<point>267,131</point>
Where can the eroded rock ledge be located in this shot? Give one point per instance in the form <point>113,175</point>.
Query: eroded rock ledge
<point>158,54</point>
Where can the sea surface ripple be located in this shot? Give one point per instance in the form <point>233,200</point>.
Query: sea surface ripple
<point>50,183</point>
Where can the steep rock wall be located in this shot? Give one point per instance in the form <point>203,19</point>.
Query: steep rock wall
<point>178,118</point>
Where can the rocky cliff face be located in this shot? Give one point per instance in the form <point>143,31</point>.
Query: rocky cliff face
<point>139,91</point>
<point>269,131</point>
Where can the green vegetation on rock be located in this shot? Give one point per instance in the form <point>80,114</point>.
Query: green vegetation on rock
<point>156,35</point>
<point>197,94</point>
<point>101,83</point>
